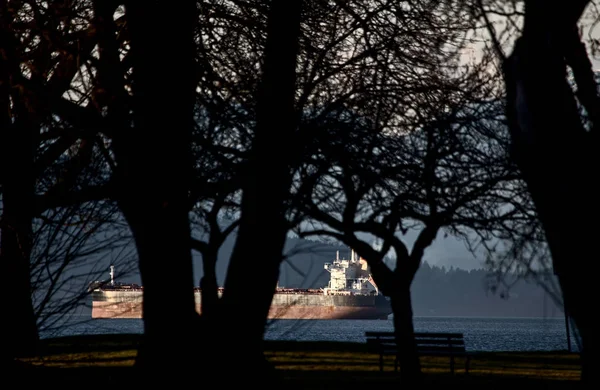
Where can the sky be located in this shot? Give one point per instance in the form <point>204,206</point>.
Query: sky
<point>448,252</point>
<point>452,252</point>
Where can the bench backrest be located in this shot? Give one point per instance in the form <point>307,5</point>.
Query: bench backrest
<point>426,342</point>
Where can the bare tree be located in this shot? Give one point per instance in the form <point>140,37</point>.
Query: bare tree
<point>545,116</point>
<point>155,173</point>
<point>266,184</point>
<point>398,137</point>
<point>37,69</point>
<point>214,219</point>
<point>355,70</point>
<point>73,247</point>
<point>436,178</point>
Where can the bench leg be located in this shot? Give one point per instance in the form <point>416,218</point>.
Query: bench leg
<point>381,362</point>
<point>452,364</point>
<point>468,361</point>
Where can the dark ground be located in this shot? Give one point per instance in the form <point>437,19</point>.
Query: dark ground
<point>107,361</point>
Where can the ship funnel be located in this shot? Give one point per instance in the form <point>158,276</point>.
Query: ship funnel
<point>337,255</point>
<point>112,275</point>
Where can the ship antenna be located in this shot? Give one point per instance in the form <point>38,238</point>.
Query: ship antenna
<point>112,275</point>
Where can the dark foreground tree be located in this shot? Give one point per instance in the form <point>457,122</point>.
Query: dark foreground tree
<point>265,187</point>
<point>555,149</point>
<point>154,172</point>
<point>17,151</point>
<point>41,157</point>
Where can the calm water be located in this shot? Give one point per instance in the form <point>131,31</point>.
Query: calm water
<point>481,334</point>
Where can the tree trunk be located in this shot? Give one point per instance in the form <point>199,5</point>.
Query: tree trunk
<point>396,285</point>
<point>557,159</point>
<point>209,285</point>
<point>254,266</point>
<point>18,183</point>
<point>408,358</point>
<point>155,162</point>
<point>16,244</point>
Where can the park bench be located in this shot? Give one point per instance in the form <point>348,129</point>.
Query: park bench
<point>428,344</point>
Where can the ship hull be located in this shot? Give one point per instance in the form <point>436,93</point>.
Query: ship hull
<point>128,304</point>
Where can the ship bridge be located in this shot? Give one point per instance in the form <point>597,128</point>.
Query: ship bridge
<point>350,275</point>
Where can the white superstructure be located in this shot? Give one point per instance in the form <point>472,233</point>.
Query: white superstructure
<point>350,276</point>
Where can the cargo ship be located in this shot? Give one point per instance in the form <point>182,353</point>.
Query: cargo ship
<point>350,293</point>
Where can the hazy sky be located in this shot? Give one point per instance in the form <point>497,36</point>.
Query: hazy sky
<point>452,252</point>
<point>448,252</point>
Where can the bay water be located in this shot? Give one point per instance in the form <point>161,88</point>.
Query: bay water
<point>481,334</point>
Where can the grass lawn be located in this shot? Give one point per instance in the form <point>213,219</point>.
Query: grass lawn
<point>321,365</point>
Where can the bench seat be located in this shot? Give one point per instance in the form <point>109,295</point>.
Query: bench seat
<point>428,344</point>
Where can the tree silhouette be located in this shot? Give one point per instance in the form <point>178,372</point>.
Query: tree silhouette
<point>265,187</point>
<point>154,173</point>
<point>48,166</point>
<point>405,137</point>
<point>545,116</point>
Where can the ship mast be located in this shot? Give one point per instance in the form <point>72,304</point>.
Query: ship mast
<point>112,275</point>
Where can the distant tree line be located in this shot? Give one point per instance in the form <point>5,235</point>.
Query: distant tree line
<point>441,291</point>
